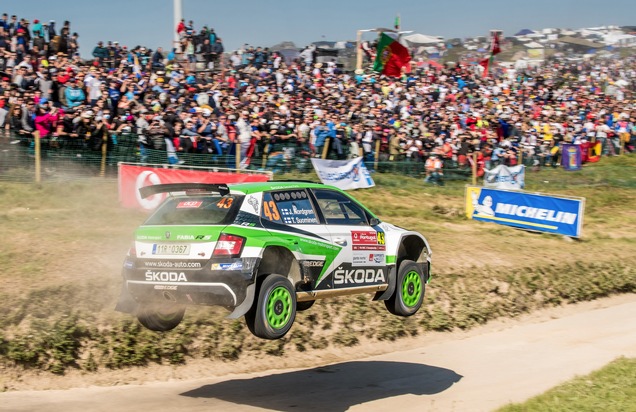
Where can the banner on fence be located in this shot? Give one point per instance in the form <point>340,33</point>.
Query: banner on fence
<point>545,213</point>
<point>343,174</point>
<point>133,177</point>
<point>571,156</point>
<point>505,177</point>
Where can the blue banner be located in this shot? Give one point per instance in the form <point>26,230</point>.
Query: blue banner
<point>571,156</point>
<point>543,213</point>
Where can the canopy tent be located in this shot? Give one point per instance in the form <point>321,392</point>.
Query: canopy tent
<point>524,32</point>
<point>417,39</point>
<point>283,45</point>
<point>534,45</point>
<point>289,55</point>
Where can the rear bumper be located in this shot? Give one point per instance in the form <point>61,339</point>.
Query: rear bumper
<point>216,282</point>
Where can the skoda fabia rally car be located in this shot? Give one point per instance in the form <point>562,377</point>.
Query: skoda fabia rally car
<point>265,251</point>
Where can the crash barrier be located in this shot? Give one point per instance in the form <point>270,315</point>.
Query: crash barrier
<point>25,158</point>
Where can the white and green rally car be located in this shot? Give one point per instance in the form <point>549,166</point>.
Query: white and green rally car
<point>266,250</point>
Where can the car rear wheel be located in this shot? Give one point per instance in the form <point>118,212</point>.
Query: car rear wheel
<point>160,317</point>
<point>274,311</point>
<point>409,290</point>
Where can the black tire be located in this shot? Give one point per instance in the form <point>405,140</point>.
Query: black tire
<point>160,317</point>
<point>274,311</point>
<point>409,290</point>
<point>301,306</point>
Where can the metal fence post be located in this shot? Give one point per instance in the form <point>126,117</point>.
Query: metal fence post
<point>38,160</point>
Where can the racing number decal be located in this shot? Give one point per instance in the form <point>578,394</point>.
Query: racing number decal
<point>381,238</point>
<point>271,211</point>
<point>225,203</point>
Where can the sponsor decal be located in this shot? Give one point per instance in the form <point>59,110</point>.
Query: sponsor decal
<point>313,263</point>
<point>376,258</point>
<point>361,276</point>
<point>366,258</point>
<point>128,264</point>
<point>165,287</point>
<point>194,237</point>
<point>189,204</point>
<point>367,240</point>
<point>167,235</point>
<point>227,266</point>
<point>146,237</point>
<point>152,276</point>
<point>167,264</point>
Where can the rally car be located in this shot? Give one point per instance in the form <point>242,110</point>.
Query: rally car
<point>265,251</point>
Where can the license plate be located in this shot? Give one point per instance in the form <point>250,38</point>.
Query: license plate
<point>170,249</point>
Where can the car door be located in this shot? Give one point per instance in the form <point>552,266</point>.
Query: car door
<point>362,260</point>
<point>290,214</point>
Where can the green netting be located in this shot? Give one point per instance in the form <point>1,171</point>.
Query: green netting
<point>71,159</point>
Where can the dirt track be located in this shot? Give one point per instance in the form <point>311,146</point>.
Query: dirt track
<point>471,371</point>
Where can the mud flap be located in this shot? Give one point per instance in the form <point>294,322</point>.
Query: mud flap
<point>389,291</point>
<point>126,303</point>
<point>242,309</point>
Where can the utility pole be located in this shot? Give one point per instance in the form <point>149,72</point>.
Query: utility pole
<point>178,15</point>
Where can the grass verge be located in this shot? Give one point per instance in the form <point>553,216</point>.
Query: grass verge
<point>610,389</point>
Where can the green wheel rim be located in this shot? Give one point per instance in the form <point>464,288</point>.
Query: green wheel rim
<point>411,288</point>
<point>278,309</point>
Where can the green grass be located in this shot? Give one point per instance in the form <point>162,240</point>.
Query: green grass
<point>64,244</point>
<point>610,389</point>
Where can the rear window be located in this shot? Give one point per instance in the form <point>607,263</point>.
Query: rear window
<point>197,210</point>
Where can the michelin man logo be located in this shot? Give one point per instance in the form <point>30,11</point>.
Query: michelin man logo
<point>485,208</point>
<point>253,202</point>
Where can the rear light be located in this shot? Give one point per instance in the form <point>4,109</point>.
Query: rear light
<point>229,245</point>
<point>132,252</point>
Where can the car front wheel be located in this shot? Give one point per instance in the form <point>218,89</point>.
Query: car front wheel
<point>409,290</point>
<point>274,311</point>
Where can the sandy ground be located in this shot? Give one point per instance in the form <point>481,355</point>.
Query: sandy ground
<point>478,370</point>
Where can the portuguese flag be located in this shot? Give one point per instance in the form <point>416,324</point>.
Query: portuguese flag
<point>391,56</point>
<point>495,49</point>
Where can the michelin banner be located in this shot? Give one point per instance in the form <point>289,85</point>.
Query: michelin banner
<point>527,211</point>
<point>506,177</point>
<point>343,174</point>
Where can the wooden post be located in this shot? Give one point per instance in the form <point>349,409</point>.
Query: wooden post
<point>377,154</point>
<point>474,168</point>
<point>38,164</point>
<point>238,155</point>
<point>265,153</point>
<point>102,170</point>
<point>622,146</point>
<point>325,149</point>
<point>521,156</point>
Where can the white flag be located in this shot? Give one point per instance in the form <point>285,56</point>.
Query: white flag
<point>343,174</point>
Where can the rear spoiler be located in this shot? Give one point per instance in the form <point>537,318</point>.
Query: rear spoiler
<point>148,191</point>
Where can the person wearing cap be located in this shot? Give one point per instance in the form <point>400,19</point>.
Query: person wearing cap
<point>100,53</point>
<point>434,169</point>
<point>73,94</point>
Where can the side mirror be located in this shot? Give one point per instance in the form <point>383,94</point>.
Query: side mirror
<point>374,221</point>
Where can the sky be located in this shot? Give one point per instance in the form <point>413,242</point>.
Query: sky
<point>266,23</point>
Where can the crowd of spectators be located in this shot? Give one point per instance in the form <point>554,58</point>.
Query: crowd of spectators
<point>284,110</point>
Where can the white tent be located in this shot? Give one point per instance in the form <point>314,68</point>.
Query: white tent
<point>417,39</point>
<point>534,45</point>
